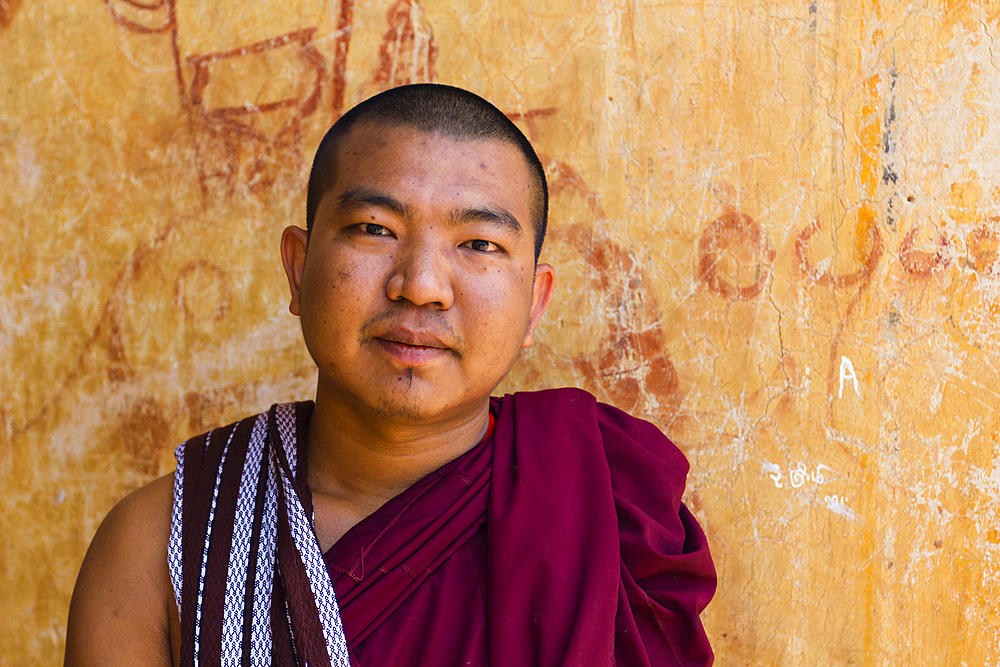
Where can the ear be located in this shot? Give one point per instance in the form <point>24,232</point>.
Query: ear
<point>541,296</point>
<point>293,257</point>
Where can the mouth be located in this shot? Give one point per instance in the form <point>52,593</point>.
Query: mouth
<point>410,355</point>
<point>412,348</point>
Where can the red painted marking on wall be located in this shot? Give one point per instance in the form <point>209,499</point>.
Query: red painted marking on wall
<point>7,10</point>
<point>920,262</point>
<point>139,434</point>
<point>156,17</point>
<point>529,117</point>
<point>729,232</point>
<point>984,246</point>
<point>407,52</point>
<point>828,278</point>
<point>230,138</point>
<point>342,45</point>
<point>200,64</point>
<point>633,361</point>
<point>194,279</point>
<point>862,277</point>
<point>232,131</point>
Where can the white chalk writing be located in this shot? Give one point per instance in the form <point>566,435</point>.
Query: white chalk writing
<point>847,373</point>
<point>798,475</point>
<point>838,505</point>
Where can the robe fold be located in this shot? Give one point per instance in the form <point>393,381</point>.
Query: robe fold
<point>559,540</point>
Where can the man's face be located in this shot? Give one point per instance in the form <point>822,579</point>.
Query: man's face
<point>416,293</point>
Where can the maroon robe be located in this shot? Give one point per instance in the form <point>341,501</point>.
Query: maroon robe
<point>560,540</point>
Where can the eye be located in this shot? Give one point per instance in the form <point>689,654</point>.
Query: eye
<point>481,245</point>
<point>374,230</point>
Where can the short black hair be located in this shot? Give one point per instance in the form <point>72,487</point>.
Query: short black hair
<point>431,107</point>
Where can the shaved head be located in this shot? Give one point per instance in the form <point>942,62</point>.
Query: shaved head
<point>437,109</point>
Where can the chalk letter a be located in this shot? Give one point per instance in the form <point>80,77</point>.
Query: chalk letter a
<point>847,373</point>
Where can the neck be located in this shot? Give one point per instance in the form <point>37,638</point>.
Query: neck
<point>361,459</point>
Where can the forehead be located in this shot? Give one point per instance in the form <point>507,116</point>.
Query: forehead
<point>432,167</point>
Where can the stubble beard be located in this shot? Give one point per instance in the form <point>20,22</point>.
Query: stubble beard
<point>405,408</point>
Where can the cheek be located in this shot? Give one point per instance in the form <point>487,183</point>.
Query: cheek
<point>498,309</point>
<point>341,279</point>
<point>329,295</point>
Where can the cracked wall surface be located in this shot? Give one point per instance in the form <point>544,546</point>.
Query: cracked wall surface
<point>775,225</point>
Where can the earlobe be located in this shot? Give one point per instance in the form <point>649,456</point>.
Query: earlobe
<point>541,296</point>
<point>293,258</point>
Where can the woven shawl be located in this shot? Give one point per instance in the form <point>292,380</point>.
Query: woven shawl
<point>248,574</point>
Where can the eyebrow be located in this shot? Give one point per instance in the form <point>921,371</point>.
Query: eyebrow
<point>493,216</point>
<point>363,197</point>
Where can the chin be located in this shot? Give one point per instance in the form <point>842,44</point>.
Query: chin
<point>415,406</point>
<point>411,403</point>
<point>402,410</point>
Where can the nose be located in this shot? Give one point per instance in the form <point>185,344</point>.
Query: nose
<point>422,275</point>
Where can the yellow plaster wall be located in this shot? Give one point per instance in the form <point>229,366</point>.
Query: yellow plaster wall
<point>754,203</point>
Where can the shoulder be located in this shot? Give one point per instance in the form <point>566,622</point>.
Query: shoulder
<point>573,405</point>
<point>631,444</point>
<point>120,609</point>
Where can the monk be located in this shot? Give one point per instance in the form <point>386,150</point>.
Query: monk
<point>405,516</point>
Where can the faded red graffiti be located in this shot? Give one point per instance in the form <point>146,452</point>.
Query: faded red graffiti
<point>984,246</point>
<point>972,313</point>
<point>729,235</point>
<point>254,134</point>
<point>200,279</point>
<point>106,334</point>
<point>254,139</point>
<point>7,10</point>
<point>920,262</point>
<point>861,277</point>
<point>119,369</point>
<point>828,278</point>
<point>407,53</point>
<point>158,16</point>
<point>530,117</point>
<point>139,433</point>
<point>143,17</point>
<point>342,44</point>
<point>633,361</point>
